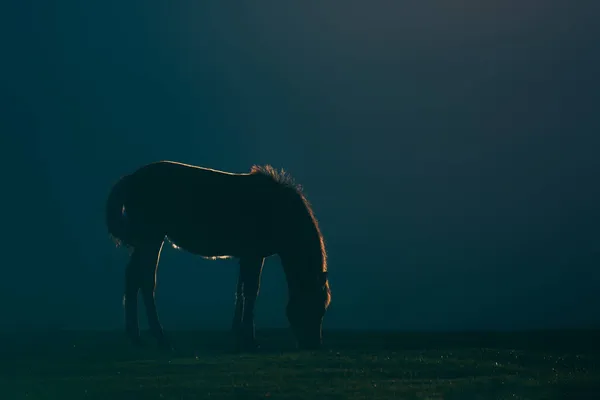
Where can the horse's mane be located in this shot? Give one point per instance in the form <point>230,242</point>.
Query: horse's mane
<point>281,176</point>
<point>284,179</point>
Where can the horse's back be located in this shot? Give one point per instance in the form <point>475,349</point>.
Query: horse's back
<point>184,174</point>
<point>178,181</point>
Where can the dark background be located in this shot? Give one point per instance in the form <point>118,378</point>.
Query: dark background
<point>449,150</point>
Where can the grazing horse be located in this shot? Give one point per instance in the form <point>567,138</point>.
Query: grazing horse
<point>216,214</point>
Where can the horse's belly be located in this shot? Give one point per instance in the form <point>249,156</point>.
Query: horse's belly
<point>216,226</point>
<point>206,247</point>
<point>220,244</point>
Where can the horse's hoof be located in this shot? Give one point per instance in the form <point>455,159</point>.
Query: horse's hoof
<point>165,345</point>
<point>136,341</point>
<point>249,346</point>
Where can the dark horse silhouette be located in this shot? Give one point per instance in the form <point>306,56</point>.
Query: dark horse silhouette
<point>216,214</point>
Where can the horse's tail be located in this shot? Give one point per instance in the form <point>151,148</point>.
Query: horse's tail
<point>116,219</point>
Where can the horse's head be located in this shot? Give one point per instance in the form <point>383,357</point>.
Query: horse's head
<point>305,311</point>
<point>304,258</point>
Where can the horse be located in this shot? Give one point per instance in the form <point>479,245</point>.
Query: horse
<point>216,214</point>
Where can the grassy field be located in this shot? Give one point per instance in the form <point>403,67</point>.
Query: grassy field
<point>354,365</point>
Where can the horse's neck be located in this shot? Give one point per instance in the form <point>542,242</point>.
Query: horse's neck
<point>301,272</point>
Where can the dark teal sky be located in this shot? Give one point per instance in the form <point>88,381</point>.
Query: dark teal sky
<point>450,153</point>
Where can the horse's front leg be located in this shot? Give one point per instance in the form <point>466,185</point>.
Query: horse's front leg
<point>248,286</point>
<point>238,314</point>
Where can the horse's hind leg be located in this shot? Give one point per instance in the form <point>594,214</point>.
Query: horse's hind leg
<point>130,299</point>
<point>246,293</point>
<point>141,275</point>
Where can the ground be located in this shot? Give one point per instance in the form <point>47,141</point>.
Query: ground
<point>355,365</point>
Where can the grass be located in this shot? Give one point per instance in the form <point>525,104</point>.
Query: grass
<point>355,365</point>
